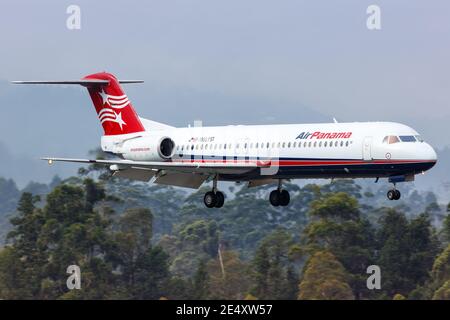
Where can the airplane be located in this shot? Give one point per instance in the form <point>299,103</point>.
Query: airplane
<point>255,154</point>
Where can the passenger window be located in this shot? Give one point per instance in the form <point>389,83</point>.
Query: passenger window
<point>325,144</point>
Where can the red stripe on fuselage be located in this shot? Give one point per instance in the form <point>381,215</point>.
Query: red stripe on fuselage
<point>288,163</point>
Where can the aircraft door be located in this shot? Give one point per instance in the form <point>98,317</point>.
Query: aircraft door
<point>367,149</point>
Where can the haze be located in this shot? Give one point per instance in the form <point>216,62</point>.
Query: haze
<point>222,62</point>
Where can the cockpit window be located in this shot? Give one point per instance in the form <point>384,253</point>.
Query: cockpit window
<point>391,139</point>
<point>419,138</point>
<point>408,138</point>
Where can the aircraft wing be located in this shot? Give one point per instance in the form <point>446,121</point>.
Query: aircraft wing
<point>170,172</point>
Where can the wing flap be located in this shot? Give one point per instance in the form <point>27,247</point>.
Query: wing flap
<point>181,179</point>
<point>135,174</point>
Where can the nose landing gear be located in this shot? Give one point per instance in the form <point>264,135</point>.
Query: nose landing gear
<point>279,196</point>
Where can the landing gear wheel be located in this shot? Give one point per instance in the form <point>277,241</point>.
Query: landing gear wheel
<point>274,198</point>
<point>391,194</point>
<point>220,199</point>
<point>210,199</point>
<point>284,198</point>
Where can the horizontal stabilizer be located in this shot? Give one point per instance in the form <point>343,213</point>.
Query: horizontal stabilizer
<point>85,83</point>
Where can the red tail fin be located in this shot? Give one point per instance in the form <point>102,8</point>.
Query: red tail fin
<point>114,109</point>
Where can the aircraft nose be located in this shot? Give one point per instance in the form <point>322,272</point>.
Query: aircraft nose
<point>430,153</point>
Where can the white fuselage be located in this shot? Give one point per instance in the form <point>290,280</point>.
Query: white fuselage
<point>300,150</point>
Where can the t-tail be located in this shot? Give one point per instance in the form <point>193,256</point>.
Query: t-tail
<point>114,109</point>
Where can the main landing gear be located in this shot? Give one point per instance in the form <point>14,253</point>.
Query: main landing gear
<point>393,194</point>
<point>214,198</point>
<point>279,196</point>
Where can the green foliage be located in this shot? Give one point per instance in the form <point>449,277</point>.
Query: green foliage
<point>443,293</point>
<point>326,237</point>
<point>407,251</point>
<point>335,206</point>
<point>273,272</point>
<point>324,278</point>
<point>228,279</point>
<point>338,228</point>
<point>446,226</point>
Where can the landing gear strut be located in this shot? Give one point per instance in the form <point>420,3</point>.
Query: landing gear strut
<point>279,196</point>
<point>393,194</point>
<point>214,198</point>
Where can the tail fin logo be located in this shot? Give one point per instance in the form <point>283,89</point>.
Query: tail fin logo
<point>108,113</point>
<point>117,102</point>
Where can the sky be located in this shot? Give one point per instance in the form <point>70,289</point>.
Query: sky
<point>223,62</point>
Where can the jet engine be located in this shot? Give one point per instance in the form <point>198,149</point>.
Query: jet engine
<point>150,148</point>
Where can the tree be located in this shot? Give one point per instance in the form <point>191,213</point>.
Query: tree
<point>446,226</point>
<point>338,206</point>
<point>27,250</point>
<point>144,268</point>
<point>200,282</point>
<point>195,241</point>
<point>232,282</point>
<point>133,241</point>
<point>440,275</point>
<point>337,226</point>
<point>324,278</point>
<point>407,251</point>
<point>273,273</point>
<point>13,279</point>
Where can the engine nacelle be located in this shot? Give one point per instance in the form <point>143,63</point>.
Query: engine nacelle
<point>151,148</point>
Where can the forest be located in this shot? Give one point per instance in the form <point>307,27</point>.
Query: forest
<point>133,240</point>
